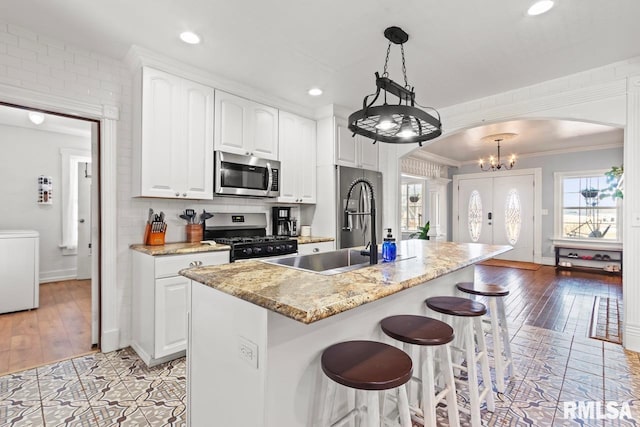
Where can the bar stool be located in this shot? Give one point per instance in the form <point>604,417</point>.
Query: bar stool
<point>430,334</point>
<point>497,318</point>
<point>469,314</point>
<point>366,366</point>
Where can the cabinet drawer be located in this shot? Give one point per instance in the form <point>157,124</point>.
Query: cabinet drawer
<point>169,265</point>
<point>313,248</point>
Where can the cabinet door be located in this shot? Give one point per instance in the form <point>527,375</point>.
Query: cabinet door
<point>172,299</point>
<point>346,154</point>
<point>368,153</point>
<point>264,132</point>
<point>198,140</point>
<point>298,159</point>
<point>289,163</point>
<point>161,160</point>
<point>231,123</point>
<point>307,161</point>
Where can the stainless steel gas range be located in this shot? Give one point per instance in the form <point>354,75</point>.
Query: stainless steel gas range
<point>247,236</point>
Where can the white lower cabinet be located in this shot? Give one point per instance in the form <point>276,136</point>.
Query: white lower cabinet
<point>160,303</point>
<point>314,248</point>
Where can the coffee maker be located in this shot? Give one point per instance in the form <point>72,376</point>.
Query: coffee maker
<point>283,224</point>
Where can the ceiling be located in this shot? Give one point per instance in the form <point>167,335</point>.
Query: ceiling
<point>458,50</point>
<point>533,137</point>
<point>52,123</point>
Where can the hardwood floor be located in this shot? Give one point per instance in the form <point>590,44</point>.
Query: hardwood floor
<point>60,328</point>
<point>560,301</point>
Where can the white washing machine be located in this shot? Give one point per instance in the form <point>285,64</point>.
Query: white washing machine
<point>19,270</point>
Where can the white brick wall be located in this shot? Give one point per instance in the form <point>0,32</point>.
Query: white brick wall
<point>42,64</point>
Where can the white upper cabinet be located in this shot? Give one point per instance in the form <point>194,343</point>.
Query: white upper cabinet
<point>173,157</point>
<point>297,159</point>
<point>355,152</point>
<point>245,127</point>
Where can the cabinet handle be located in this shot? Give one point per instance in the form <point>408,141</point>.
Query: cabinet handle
<point>184,194</point>
<point>177,194</point>
<point>247,153</point>
<point>195,263</point>
<point>316,249</point>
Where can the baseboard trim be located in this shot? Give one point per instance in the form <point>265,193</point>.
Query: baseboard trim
<point>547,260</point>
<point>110,340</point>
<point>631,337</point>
<point>58,275</point>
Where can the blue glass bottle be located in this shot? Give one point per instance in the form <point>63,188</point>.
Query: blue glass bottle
<point>389,247</point>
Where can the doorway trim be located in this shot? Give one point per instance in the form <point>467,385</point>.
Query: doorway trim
<point>107,116</point>
<point>537,202</point>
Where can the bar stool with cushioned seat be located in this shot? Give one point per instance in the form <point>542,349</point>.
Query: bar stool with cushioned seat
<point>497,318</point>
<point>430,334</point>
<point>469,314</point>
<point>366,366</point>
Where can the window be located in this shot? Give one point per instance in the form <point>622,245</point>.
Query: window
<point>580,212</point>
<point>412,202</point>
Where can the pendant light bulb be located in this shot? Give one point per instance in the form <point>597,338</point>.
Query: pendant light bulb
<point>406,128</point>
<point>386,122</point>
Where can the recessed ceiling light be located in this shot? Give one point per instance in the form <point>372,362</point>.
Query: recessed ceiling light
<point>36,118</point>
<point>315,91</point>
<point>189,37</point>
<point>540,7</point>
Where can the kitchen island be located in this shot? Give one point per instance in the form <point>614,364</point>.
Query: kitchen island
<point>257,330</point>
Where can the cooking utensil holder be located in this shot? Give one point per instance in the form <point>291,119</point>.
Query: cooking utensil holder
<point>195,233</point>
<point>153,238</point>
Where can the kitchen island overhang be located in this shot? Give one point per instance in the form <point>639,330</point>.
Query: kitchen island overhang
<point>257,330</point>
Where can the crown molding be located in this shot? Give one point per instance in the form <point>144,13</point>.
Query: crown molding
<point>559,151</point>
<point>138,56</point>
<point>421,154</point>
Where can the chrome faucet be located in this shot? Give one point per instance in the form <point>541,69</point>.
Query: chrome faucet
<point>373,244</point>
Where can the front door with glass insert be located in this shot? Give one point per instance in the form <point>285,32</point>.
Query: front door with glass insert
<point>498,211</point>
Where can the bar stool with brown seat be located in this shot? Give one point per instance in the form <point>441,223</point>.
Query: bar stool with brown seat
<point>367,366</point>
<point>469,314</point>
<point>431,335</point>
<point>497,318</point>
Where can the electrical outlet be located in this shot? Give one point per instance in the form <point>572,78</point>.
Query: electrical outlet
<point>248,351</point>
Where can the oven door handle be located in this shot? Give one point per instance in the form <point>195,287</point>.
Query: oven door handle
<point>270,178</point>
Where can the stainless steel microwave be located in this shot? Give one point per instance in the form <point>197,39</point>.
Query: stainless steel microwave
<point>237,175</point>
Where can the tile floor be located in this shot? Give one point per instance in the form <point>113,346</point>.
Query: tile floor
<point>555,364</point>
<point>112,389</point>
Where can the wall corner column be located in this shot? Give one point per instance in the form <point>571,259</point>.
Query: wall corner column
<point>110,323</point>
<point>631,209</point>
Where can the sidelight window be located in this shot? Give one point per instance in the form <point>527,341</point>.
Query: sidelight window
<point>475,216</point>
<point>512,216</point>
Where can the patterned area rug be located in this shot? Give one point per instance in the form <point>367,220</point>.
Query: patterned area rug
<point>511,264</point>
<point>605,320</point>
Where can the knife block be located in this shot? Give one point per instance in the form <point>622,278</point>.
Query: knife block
<point>195,233</point>
<point>153,238</point>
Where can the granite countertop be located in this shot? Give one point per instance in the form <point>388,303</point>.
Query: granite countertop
<point>303,240</point>
<point>308,297</point>
<point>179,248</point>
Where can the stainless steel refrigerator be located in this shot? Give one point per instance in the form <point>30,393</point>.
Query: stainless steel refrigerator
<point>360,233</point>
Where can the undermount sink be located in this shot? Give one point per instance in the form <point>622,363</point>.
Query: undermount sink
<point>329,263</point>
